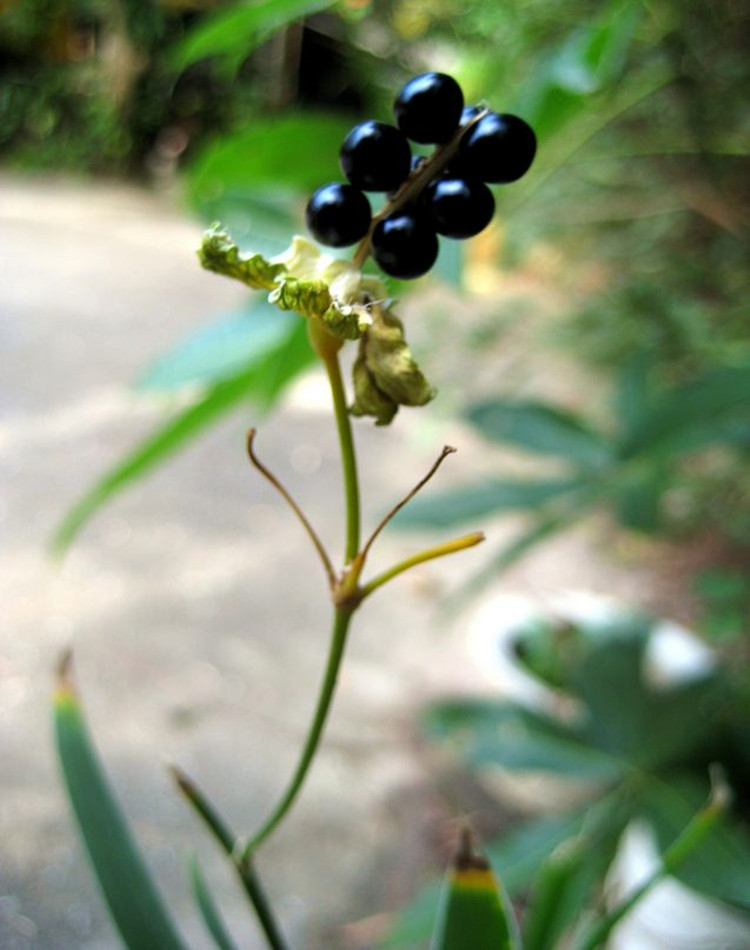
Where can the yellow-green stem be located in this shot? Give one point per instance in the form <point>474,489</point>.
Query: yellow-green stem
<point>440,550</point>
<point>348,457</point>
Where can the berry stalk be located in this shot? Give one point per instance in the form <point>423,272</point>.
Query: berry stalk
<point>417,181</point>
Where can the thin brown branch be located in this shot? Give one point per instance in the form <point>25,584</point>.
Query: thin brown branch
<point>447,450</point>
<point>312,534</point>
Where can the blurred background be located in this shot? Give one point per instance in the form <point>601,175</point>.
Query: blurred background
<point>592,355</point>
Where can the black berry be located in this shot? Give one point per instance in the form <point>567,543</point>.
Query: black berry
<point>460,208</point>
<point>404,245</point>
<point>375,157</point>
<point>338,215</point>
<point>498,148</point>
<point>428,108</point>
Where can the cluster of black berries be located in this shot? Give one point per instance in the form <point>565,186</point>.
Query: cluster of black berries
<point>485,147</point>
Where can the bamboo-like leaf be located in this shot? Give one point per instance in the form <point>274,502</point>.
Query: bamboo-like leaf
<point>488,732</point>
<point>542,428</point>
<point>483,499</point>
<point>474,913</point>
<point>291,154</point>
<point>236,30</point>
<point>690,840</point>
<point>209,911</point>
<point>691,416</point>
<point>263,381</point>
<point>131,895</point>
<point>221,349</point>
<point>559,894</point>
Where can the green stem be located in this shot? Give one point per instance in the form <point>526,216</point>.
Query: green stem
<point>326,347</point>
<point>341,619</point>
<point>243,866</point>
<point>348,457</point>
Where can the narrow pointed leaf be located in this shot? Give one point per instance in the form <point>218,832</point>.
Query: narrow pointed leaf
<point>221,349</point>
<point>560,892</point>
<point>262,381</point>
<point>131,895</point>
<point>520,854</point>
<point>474,913</point>
<point>689,842</point>
<point>541,428</point>
<point>235,31</point>
<point>693,415</point>
<point>509,736</point>
<point>267,157</point>
<point>493,497</point>
<point>209,911</point>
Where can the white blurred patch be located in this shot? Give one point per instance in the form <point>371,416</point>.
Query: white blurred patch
<point>671,916</point>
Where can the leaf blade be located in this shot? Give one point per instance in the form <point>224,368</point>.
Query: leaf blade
<point>482,499</point>
<point>236,31</point>
<point>474,913</point>
<point>220,349</point>
<point>208,909</point>
<point>264,381</point>
<point>128,889</point>
<point>541,428</point>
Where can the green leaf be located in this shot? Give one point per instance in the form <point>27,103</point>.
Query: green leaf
<point>509,736</point>
<point>494,497</point>
<point>221,349</point>
<point>561,890</point>
<point>638,496</point>
<point>263,381</point>
<point>290,155</point>
<point>209,911</point>
<point>721,867</point>
<point>544,526</point>
<point>542,428</point>
<point>584,65</point>
<point>449,266</point>
<point>692,416</point>
<point>236,31</point>
<point>627,717</point>
<point>130,893</point>
<point>520,854</point>
<point>517,857</point>
<point>473,913</point>
<point>688,842</point>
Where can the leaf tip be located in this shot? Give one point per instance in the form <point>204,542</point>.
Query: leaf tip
<point>65,690</point>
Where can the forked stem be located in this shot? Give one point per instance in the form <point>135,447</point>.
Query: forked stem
<point>312,534</point>
<point>447,450</point>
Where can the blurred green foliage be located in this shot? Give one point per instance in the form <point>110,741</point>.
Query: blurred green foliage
<point>641,465</point>
<point>634,749</point>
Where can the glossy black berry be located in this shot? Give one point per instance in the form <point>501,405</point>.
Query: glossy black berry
<point>498,148</point>
<point>404,245</point>
<point>338,215</point>
<point>428,108</point>
<point>375,157</point>
<point>460,208</point>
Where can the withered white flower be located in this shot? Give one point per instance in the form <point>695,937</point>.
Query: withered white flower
<point>350,304</point>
